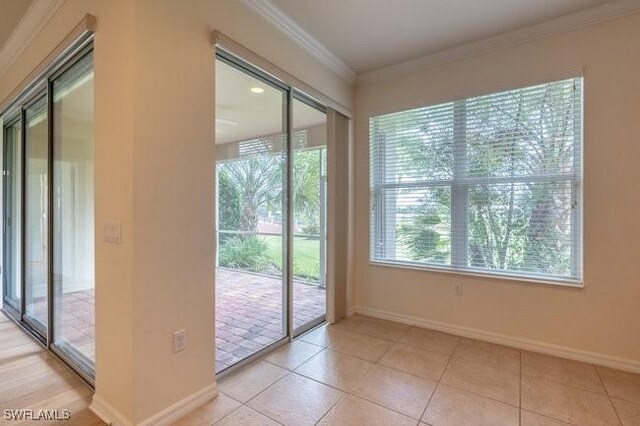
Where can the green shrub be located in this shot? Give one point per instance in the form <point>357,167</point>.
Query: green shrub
<point>248,252</point>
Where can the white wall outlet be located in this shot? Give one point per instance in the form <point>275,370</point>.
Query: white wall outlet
<point>112,232</point>
<point>457,289</point>
<point>179,340</point>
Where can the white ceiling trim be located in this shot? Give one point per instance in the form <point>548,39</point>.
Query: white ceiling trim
<point>295,32</point>
<point>595,15</point>
<point>34,19</point>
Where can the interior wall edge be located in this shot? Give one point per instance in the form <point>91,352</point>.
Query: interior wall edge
<point>574,354</point>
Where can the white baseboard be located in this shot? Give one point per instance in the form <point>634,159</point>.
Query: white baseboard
<point>351,311</point>
<point>501,339</point>
<point>107,413</point>
<point>111,416</point>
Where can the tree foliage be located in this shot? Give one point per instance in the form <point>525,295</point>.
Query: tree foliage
<point>512,224</point>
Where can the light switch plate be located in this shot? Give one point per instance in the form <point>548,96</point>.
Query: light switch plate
<point>180,340</point>
<point>112,232</point>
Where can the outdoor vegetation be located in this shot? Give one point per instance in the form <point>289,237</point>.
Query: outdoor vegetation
<point>250,196</point>
<point>510,161</point>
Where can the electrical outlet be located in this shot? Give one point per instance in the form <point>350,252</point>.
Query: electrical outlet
<point>179,340</point>
<point>457,289</point>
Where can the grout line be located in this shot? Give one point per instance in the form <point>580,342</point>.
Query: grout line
<point>608,395</point>
<point>520,393</point>
<point>440,379</point>
<point>230,412</point>
<point>332,407</point>
<point>267,388</point>
<point>547,416</point>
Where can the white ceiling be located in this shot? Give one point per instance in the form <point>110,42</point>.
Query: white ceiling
<point>11,11</point>
<point>243,115</point>
<point>371,34</point>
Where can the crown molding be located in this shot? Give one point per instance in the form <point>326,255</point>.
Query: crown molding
<point>34,19</point>
<point>595,15</point>
<point>295,32</point>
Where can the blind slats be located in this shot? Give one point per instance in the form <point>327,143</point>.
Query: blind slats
<point>490,184</point>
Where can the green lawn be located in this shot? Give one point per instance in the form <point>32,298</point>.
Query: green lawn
<point>306,256</point>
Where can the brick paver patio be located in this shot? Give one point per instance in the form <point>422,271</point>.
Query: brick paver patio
<point>249,314</point>
<point>78,320</point>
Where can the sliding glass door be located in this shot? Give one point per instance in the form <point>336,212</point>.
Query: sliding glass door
<point>12,214</point>
<point>73,214</point>
<point>251,154</point>
<point>309,189</point>
<point>270,204</point>
<point>48,212</point>
<point>36,239</point>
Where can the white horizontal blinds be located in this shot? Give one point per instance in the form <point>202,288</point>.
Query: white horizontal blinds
<point>490,183</point>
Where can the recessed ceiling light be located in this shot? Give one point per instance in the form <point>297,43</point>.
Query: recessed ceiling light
<point>257,89</point>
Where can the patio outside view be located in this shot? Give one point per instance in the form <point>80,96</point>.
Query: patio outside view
<point>251,238</point>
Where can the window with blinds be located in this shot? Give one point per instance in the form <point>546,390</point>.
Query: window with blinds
<point>489,185</point>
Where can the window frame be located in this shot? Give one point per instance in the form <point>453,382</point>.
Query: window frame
<point>459,185</point>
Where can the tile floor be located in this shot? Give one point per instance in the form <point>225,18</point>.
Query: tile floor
<point>364,371</point>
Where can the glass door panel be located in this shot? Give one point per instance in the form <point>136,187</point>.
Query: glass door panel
<point>251,153</point>
<point>12,209</point>
<point>73,212</point>
<point>309,177</point>
<point>36,218</point>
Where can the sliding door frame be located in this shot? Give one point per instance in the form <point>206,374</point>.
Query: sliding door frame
<point>13,307</point>
<point>292,93</point>
<point>16,110</point>
<point>40,93</point>
<point>302,97</point>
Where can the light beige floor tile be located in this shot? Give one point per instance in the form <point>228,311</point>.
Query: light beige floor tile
<point>569,404</point>
<point>246,416</point>
<point>561,371</point>
<point>350,323</point>
<point>488,352</point>
<point>620,384</point>
<point>430,340</point>
<point>365,347</point>
<point>413,360</point>
<point>628,412</point>
<point>292,356</point>
<point>382,329</point>
<point>335,369</point>
<point>210,412</point>
<point>353,411</point>
<point>324,336</point>
<point>453,407</point>
<point>296,400</point>
<point>398,391</point>
<point>247,383</point>
<point>528,418</point>
<point>483,378</point>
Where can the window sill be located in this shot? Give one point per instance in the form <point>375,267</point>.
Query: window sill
<point>567,283</point>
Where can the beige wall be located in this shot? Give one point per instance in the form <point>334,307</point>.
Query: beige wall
<point>604,317</point>
<point>154,156</point>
